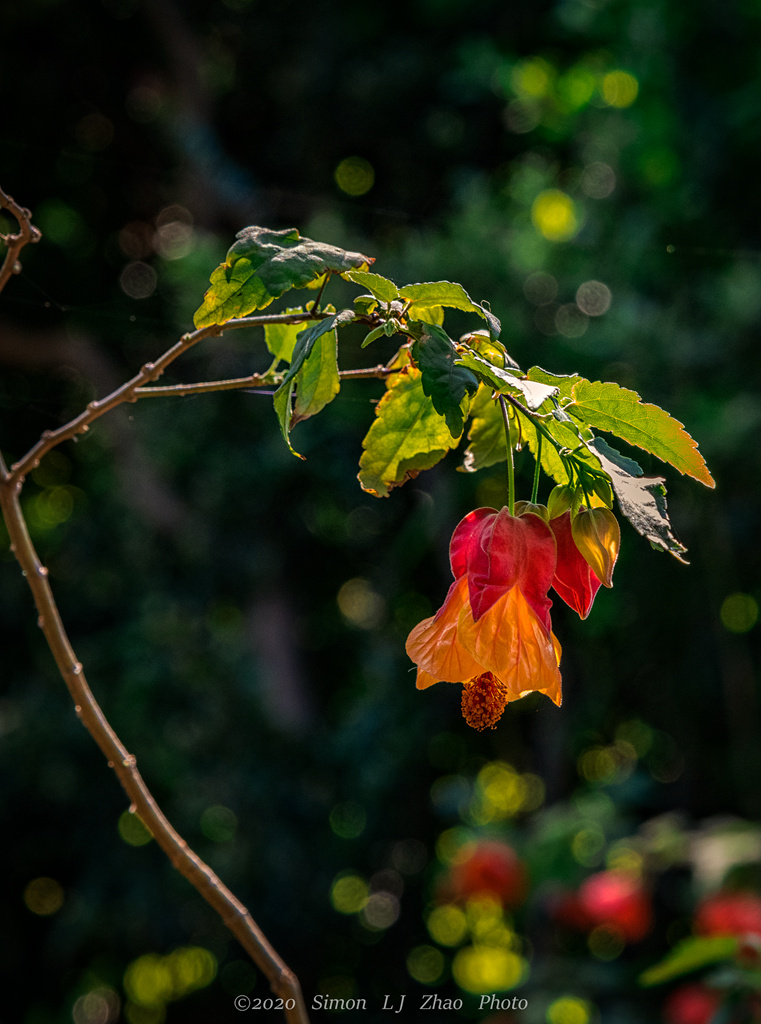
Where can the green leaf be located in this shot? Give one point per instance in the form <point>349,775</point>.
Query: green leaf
<point>621,412</point>
<point>426,315</point>
<point>486,435</point>
<point>364,304</point>
<point>642,498</point>
<point>280,339</point>
<point>306,341</point>
<point>533,393</point>
<point>424,298</point>
<point>317,382</point>
<point>564,383</point>
<point>380,287</point>
<point>370,337</point>
<point>262,264</point>
<point>689,955</point>
<point>407,436</point>
<point>448,384</point>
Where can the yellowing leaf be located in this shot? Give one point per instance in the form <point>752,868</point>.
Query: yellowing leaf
<point>262,264</point>
<point>621,412</point>
<point>407,436</point>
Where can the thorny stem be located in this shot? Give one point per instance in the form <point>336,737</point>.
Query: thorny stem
<point>27,233</point>
<point>128,391</point>
<point>232,912</point>
<point>510,466</point>
<point>256,380</point>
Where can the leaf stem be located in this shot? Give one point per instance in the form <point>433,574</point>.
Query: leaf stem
<point>316,302</point>
<point>537,468</point>
<point>510,466</point>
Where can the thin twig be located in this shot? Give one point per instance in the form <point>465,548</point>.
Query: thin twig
<point>233,913</point>
<point>27,233</point>
<point>256,380</point>
<point>149,372</point>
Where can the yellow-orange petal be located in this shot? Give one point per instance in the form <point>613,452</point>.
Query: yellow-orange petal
<point>425,679</point>
<point>434,644</point>
<point>511,642</point>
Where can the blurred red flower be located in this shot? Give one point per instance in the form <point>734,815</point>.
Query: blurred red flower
<point>614,899</point>
<point>694,1003</point>
<point>729,913</point>
<point>488,867</point>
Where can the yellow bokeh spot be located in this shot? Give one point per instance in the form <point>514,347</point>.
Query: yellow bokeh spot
<point>43,896</point>
<point>569,1011</point>
<point>619,89</point>
<point>426,964</point>
<point>554,215</point>
<point>502,792</point>
<point>360,604</point>
<point>623,858</point>
<point>739,613</point>
<point>606,765</point>
<point>355,176</point>
<point>152,980</point>
<point>349,894</point>
<point>481,969</point>
<point>532,77</point>
<point>447,925</point>
<point>133,830</point>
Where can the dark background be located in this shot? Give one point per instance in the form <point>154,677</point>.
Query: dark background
<point>197,563</point>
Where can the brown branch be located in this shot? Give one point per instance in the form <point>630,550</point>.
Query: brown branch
<point>256,380</point>
<point>127,392</point>
<point>27,233</point>
<point>233,913</point>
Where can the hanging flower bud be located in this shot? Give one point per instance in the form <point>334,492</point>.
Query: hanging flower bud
<point>597,535</point>
<point>560,500</point>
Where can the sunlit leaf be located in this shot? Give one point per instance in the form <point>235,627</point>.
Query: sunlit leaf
<point>487,433</point>
<point>407,436</point>
<point>306,341</point>
<point>448,384</point>
<point>280,339</point>
<point>533,393</point>
<point>690,955</point>
<point>380,287</point>
<point>642,498</point>
<point>621,412</point>
<point>317,382</point>
<point>564,383</point>
<point>427,296</point>
<point>262,264</point>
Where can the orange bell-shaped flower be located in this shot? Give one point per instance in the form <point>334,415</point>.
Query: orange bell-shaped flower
<point>493,632</point>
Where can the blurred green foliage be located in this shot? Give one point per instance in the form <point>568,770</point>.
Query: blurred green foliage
<point>589,167</point>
